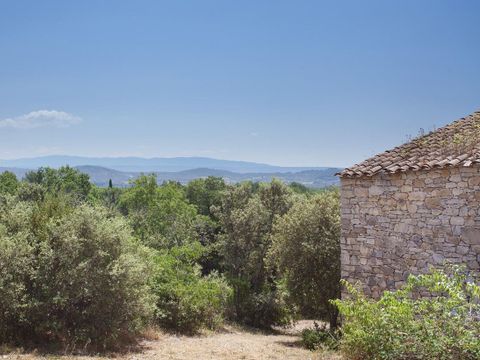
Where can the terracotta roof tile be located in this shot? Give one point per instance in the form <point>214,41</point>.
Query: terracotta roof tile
<point>457,144</point>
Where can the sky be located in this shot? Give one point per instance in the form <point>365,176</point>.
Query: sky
<point>293,83</point>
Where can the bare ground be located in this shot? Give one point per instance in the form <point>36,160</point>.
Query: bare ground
<point>232,343</point>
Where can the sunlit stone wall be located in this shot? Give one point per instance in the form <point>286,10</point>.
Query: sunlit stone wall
<point>394,225</point>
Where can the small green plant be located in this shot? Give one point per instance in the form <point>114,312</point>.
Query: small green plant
<point>434,316</point>
<point>319,337</point>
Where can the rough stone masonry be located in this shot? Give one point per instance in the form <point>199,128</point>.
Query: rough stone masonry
<point>402,223</point>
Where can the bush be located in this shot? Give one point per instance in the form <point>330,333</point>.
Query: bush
<point>306,251</point>
<point>187,301</point>
<point>264,307</point>
<point>434,316</point>
<point>69,276</point>
<point>320,338</point>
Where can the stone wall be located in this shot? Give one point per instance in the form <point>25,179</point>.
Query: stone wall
<point>394,225</point>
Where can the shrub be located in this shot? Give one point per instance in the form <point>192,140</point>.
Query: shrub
<point>187,301</point>
<point>261,308</point>
<point>69,276</point>
<point>319,337</point>
<point>434,316</point>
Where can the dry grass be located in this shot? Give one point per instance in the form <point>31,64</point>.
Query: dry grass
<point>232,343</point>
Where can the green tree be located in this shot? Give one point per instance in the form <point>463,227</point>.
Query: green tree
<point>63,180</point>
<point>299,188</point>
<point>8,183</point>
<point>276,197</point>
<point>306,251</point>
<point>105,196</point>
<point>247,215</point>
<point>141,195</point>
<point>160,215</point>
<point>205,193</point>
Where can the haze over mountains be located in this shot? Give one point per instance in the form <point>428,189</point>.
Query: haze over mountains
<point>139,164</point>
<point>183,169</point>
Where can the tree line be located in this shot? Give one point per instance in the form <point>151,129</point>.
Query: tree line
<point>82,265</point>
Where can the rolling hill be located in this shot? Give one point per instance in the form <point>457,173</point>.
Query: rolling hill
<point>137,164</point>
<point>311,178</point>
<point>100,175</point>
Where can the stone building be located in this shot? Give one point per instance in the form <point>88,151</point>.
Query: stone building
<point>413,207</point>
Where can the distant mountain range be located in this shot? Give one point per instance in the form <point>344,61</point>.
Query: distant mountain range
<point>182,169</point>
<point>138,164</point>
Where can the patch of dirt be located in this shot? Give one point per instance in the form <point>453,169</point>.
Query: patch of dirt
<point>232,343</point>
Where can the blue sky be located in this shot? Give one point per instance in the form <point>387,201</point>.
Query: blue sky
<point>307,83</point>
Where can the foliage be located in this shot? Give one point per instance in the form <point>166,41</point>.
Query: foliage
<point>434,316</point>
<point>105,196</point>
<point>63,180</point>
<point>208,231</point>
<point>160,215</point>
<point>298,188</point>
<point>205,193</point>
<point>30,192</point>
<point>163,219</point>
<point>186,301</point>
<point>8,183</point>
<point>260,307</point>
<point>69,275</point>
<point>247,217</point>
<point>319,337</point>
<point>82,265</point>
<point>306,251</point>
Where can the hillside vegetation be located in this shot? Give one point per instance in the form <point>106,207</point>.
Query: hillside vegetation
<point>89,267</point>
<point>85,268</point>
<point>101,176</point>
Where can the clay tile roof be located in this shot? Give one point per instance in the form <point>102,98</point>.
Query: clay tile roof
<point>457,144</point>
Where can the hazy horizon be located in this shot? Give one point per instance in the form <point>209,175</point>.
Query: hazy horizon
<point>181,169</point>
<point>306,83</point>
<point>162,157</point>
